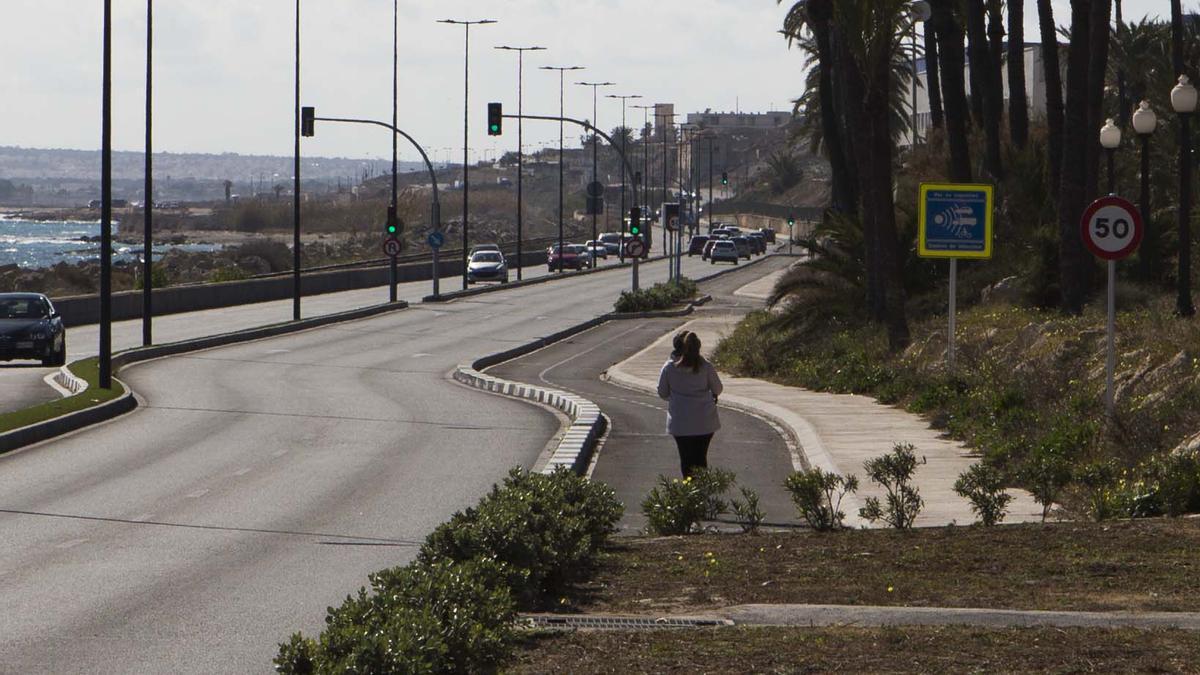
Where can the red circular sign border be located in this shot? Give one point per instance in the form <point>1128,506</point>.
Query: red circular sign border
<point>385,247</point>
<point>1136,219</point>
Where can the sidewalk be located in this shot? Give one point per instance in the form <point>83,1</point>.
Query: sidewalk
<point>836,432</point>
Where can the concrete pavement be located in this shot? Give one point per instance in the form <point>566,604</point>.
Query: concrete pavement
<point>836,432</point>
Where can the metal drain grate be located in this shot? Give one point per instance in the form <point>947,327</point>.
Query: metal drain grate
<point>619,622</point>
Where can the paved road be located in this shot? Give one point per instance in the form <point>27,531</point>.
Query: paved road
<point>21,381</point>
<point>261,483</point>
<point>638,448</point>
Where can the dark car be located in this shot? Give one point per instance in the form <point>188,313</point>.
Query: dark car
<point>743,246</point>
<point>574,257</point>
<point>696,245</point>
<point>757,242</point>
<point>768,234</point>
<point>30,328</point>
<point>708,247</point>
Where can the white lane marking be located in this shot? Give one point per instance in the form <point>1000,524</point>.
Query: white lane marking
<point>72,543</point>
<point>242,472</point>
<point>542,375</point>
<point>420,355</point>
<point>278,351</point>
<point>279,453</point>
<point>197,493</point>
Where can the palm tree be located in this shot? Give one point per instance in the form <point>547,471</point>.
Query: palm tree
<point>993,93</point>
<point>1074,264</point>
<point>1054,88</point>
<point>1099,34</point>
<point>1018,106</point>
<point>947,25</point>
<point>816,16</point>
<point>1183,300</point>
<point>932,79</point>
<point>978,50</point>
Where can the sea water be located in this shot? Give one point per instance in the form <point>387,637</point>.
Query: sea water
<point>34,244</point>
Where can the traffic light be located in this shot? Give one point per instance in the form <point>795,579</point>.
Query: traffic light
<point>495,116</point>
<point>391,228</point>
<point>724,178</point>
<point>308,116</point>
<point>635,221</point>
<point>791,220</point>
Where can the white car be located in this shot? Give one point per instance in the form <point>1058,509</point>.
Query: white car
<point>612,242</point>
<point>597,248</point>
<point>487,266</point>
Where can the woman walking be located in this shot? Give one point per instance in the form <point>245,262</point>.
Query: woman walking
<point>690,385</point>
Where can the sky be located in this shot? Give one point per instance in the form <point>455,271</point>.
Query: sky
<point>223,69</point>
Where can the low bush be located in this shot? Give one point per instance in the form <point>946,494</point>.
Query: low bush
<point>676,506</point>
<point>545,530</point>
<point>818,497</point>
<point>983,486</point>
<point>1046,473</point>
<point>1175,483</point>
<point>659,296</point>
<point>747,511</point>
<point>894,471</point>
<point>444,617</point>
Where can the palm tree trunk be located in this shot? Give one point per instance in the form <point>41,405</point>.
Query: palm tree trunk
<point>977,49</point>
<point>993,96</point>
<point>1124,103</point>
<point>844,197</point>
<point>1074,265</point>
<point>1183,283</point>
<point>954,88</point>
<point>1018,105</point>
<point>933,79</point>
<point>1100,35</point>
<point>1054,91</point>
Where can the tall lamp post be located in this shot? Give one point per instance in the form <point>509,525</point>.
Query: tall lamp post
<point>625,133</point>
<point>646,138</point>
<point>921,11</point>
<point>1144,122</point>
<point>561,112</point>
<point>148,202</point>
<point>1183,100</point>
<point>466,131</point>
<point>391,213</point>
<point>1110,140</point>
<point>595,145</point>
<point>105,337</point>
<point>520,140</point>
<point>296,186</point>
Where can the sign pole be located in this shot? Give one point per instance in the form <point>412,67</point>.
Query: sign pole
<point>635,273</point>
<point>953,312</point>
<point>1110,363</point>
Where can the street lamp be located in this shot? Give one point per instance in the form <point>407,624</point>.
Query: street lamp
<point>595,148</point>
<point>1110,140</point>
<point>105,336</point>
<point>148,202</point>
<point>296,185</point>
<point>625,133</point>
<point>466,131</point>
<point>520,145</point>
<point>1144,121</point>
<point>646,137</point>
<point>561,113</point>
<point>1183,100</point>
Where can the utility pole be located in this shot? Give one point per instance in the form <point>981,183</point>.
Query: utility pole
<point>561,110</point>
<point>520,143</point>
<point>595,145</point>
<point>625,134</point>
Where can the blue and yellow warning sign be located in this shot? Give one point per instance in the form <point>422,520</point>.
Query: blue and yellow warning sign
<point>955,220</point>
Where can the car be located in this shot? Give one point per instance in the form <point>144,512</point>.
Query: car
<point>768,234</point>
<point>612,242</point>
<point>723,249</point>
<point>708,247</point>
<point>30,328</point>
<point>487,266</point>
<point>743,246</point>
<point>757,242</point>
<point>597,248</point>
<point>696,245</point>
<point>483,247</point>
<point>573,256</point>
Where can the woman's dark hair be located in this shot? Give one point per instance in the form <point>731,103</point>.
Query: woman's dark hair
<point>677,344</point>
<point>689,355</point>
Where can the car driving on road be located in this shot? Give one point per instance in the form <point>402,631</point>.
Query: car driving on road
<point>696,245</point>
<point>30,328</point>
<point>597,248</point>
<point>612,242</point>
<point>743,246</point>
<point>723,249</point>
<point>487,266</point>
<point>573,256</point>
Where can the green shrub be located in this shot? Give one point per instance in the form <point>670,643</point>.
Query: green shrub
<point>659,296</point>
<point>713,483</point>
<point>545,531</point>
<point>894,471</point>
<point>747,511</point>
<point>983,486</point>
<point>674,506</point>
<point>818,497</point>
<point>1175,483</point>
<point>1102,497</point>
<point>444,617</point>
<point>1046,473</point>
<point>228,274</point>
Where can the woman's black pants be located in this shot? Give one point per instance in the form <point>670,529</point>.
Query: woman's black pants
<point>693,453</point>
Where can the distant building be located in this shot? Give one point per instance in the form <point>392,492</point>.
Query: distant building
<point>1035,89</point>
<point>739,121</point>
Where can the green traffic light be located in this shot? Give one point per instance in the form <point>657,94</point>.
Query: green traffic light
<point>391,229</point>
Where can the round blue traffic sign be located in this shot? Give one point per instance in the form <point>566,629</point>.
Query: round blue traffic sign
<point>435,239</point>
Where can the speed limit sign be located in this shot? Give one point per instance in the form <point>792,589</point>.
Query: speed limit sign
<point>1112,228</point>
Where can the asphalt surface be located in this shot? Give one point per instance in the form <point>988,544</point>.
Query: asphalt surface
<point>21,382</point>
<point>638,449</point>
<point>260,483</point>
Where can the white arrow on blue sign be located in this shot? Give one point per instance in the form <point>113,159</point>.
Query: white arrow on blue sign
<point>435,239</point>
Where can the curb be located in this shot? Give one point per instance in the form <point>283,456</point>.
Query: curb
<point>64,424</point>
<point>454,295</point>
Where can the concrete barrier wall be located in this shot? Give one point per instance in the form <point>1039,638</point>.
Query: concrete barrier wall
<point>85,309</point>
